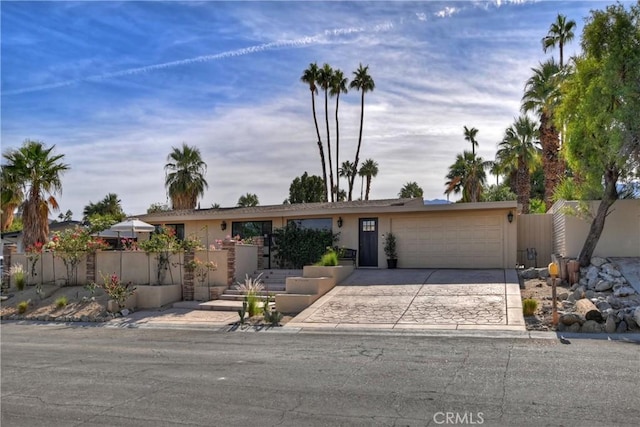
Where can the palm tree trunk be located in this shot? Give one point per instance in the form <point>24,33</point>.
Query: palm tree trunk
<point>366,197</point>
<point>355,164</point>
<point>337,150</point>
<point>549,139</point>
<point>7,216</point>
<point>326,119</point>
<point>523,185</point>
<point>320,149</point>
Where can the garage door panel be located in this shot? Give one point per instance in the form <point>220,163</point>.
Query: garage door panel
<point>466,241</point>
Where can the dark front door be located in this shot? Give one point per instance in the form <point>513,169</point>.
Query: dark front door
<point>368,247</point>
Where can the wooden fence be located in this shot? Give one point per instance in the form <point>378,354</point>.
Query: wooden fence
<point>535,239</point>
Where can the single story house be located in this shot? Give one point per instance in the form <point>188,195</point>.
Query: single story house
<point>458,235</point>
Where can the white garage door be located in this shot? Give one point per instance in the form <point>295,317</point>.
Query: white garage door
<point>450,241</point>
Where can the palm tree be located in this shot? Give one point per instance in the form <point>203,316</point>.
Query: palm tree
<point>363,82</point>
<point>467,175</point>
<point>310,76</point>
<point>325,79</point>
<point>110,205</point>
<point>338,86</point>
<point>560,33</point>
<point>369,170</point>
<point>541,97</point>
<point>11,197</point>
<point>518,149</point>
<point>410,190</point>
<point>37,171</point>
<point>348,171</point>
<point>248,200</point>
<point>185,180</point>
<point>470,135</point>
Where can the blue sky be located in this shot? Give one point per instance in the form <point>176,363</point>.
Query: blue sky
<point>114,85</point>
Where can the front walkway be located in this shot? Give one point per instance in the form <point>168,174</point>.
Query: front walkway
<point>419,299</point>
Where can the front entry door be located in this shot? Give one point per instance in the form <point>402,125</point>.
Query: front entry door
<point>368,246</point>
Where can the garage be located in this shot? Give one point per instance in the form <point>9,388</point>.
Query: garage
<point>452,240</point>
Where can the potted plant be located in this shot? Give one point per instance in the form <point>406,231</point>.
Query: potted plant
<point>390,250</point>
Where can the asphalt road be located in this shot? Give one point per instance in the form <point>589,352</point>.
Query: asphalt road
<point>94,376</point>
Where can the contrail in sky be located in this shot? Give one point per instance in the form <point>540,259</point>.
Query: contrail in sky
<point>303,41</point>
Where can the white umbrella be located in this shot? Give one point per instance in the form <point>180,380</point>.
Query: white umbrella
<point>135,226</point>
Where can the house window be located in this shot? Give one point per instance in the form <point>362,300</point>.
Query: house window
<point>246,229</point>
<point>312,223</point>
<point>368,225</point>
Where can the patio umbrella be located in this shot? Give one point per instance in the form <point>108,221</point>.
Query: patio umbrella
<point>135,226</point>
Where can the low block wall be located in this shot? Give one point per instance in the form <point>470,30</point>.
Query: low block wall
<point>157,296</point>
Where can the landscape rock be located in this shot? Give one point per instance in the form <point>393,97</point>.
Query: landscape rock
<point>573,328</point>
<point>571,318</point>
<point>124,312</point>
<point>592,273</point>
<point>610,325</point>
<point>592,283</point>
<point>632,325</point>
<point>578,293</point>
<point>624,291</point>
<point>598,261</point>
<point>603,285</point>
<point>543,273</point>
<point>590,294</point>
<point>636,315</point>
<point>529,273</point>
<point>603,305</point>
<point>622,327</point>
<point>611,270</point>
<point>563,296</point>
<point>591,326</point>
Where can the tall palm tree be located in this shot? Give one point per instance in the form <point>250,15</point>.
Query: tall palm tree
<point>467,175</point>
<point>560,33</point>
<point>185,180</point>
<point>338,86</point>
<point>110,205</point>
<point>470,135</point>
<point>541,97</point>
<point>348,171</point>
<point>310,76</point>
<point>519,150</point>
<point>11,197</point>
<point>362,82</point>
<point>368,170</point>
<point>248,200</point>
<point>410,190</point>
<point>325,79</point>
<point>38,172</point>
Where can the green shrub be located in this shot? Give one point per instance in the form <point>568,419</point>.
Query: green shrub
<point>529,306</point>
<point>329,259</point>
<point>23,306</point>
<point>61,302</point>
<point>296,247</point>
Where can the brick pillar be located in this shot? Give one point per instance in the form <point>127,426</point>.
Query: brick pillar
<point>230,247</point>
<point>8,250</point>
<point>188,288</point>
<point>91,267</point>
<point>259,241</point>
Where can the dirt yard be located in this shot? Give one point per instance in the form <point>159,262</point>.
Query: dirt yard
<point>538,290</point>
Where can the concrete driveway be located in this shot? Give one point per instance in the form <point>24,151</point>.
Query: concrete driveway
<point>420,299</point>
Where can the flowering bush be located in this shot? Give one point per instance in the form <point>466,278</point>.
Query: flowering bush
<point>201,269</point>
<point>17,273</point>
<point>129,244</point>
<point>162,243</point>
<point>117,290</point>
<point>71,245</point>
<point>33,253</point>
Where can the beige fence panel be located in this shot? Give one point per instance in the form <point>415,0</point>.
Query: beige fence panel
<point>535,239</point>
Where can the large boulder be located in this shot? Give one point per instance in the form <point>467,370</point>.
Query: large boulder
<point>592,273</point>
<point>591,326</point>
<point>603,285</point>
<point>611,270</point>
<point>529,273</point>
<point>610,325</point>
<point>598,261</point>
<point>624,291</point>
<point>569,319</point>
<point>636,315</point>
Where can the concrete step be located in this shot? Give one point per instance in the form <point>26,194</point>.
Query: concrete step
<point>261,293</point>
<point>239,297</point>
<point>223,305</point>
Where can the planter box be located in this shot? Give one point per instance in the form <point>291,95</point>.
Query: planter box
<point>339,273</point>
<point>158,296</point>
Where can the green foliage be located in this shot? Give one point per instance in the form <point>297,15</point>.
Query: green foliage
<point>16,225</point>
<point>61,302</point>
<point>23,306</point>
<point>410,190</point>
<point>185,176</point>
<point>529,306</point>
<point>253,303</point>
<point>272,317</point>
<point>329,259</point>
<point>296,247</point>
<point>99,222</point>
<point>248,200</point>
<point>498,193</point>
<point>159,207</point>
<point>306,189</point>
<point>116,290</point>
<point>162,244</point>
<point>537,206</point>
<point>109,207</point>
<point>390,244</point>
<point>243,312</point>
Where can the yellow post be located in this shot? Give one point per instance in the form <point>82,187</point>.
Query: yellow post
<point>553,272</point>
